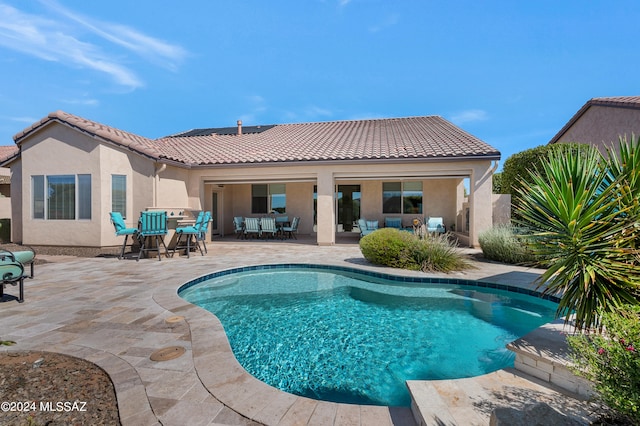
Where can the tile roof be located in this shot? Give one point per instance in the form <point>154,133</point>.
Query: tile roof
<point>632,102</point>
<point>395,138</point>
<point>7,151</point>
<point>132,141</point>
<point>430,137</point>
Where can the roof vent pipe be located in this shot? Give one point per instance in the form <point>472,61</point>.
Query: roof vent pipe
<point>239,127</point>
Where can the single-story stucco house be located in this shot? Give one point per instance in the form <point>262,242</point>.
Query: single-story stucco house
<point>68,173</point>
<point>602,121</point>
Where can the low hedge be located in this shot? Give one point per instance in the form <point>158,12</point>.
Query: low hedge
<point>402,249</point>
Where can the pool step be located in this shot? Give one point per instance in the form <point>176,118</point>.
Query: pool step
<point>541,374</point>
<point>544,354</point>
<point>471,401</point>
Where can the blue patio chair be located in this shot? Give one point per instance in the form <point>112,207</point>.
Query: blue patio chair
<point>435,225</point>
<point>153,226</point>
<point>12,269</point>
<point>189,232</point>
<point>367,226</point>
<point>293,229</point>
<point>268,227</point>
<point>393,222</point>
<point>252,227</point>
<point>121,229</point>
<point>238,226</point>
<point>201,236</point>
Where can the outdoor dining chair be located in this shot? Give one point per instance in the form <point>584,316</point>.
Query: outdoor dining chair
<point>190,232</point>
<point>238,226</point>
<point>121,229</point>
<point>201,236</point>
<point>268,227</point>
<point>293,229</point>
<point>252,226</point>
<point>153,226</point>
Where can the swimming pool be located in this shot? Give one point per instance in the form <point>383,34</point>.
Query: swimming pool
<point>353,336</point>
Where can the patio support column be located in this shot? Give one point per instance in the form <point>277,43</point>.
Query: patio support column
<point>480,202</point>
<point>326,212</point>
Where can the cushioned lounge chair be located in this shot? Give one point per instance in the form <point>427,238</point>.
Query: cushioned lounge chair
<point>435,225</point>
<point>367,226</point>
<point>393,222</point>
<point>121,229</point>
<point>12,269</point>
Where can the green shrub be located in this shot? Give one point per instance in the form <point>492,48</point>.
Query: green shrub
<point>389,247</point>
<point>611,361</point>
<point>503,244</point>
<point>401,249</point>
<point>437,254</point>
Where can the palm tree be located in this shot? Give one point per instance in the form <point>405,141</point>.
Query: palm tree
<point>580,214</point>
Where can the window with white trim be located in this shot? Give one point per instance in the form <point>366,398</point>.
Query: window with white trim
<point>61,197</point>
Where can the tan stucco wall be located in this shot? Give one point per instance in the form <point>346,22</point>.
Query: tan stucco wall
<point>501,209</point>
<point>60,150</point>
<point>17,195</point>
<point>602,126</point>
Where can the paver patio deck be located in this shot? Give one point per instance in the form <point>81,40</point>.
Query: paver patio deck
<point>116,313</point>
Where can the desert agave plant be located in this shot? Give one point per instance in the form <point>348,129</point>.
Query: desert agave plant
<point>582,217</point>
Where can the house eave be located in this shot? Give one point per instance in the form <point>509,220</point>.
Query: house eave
<point>487,157</point>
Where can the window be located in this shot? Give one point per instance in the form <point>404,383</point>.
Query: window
<point>412,197</point>
<point>267,198</point>
<point>391,197</point>
<point>119,194</point>
<point>402,197</point>
<point>64,197</point>
<point>37,189</point>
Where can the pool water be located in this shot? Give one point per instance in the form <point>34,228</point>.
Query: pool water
<point>346,337</point>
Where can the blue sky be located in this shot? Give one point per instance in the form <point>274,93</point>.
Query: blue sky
<point>509,72</point>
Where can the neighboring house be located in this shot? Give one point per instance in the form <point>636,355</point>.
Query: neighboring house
<point>602,121</point>
<point>70,172</point>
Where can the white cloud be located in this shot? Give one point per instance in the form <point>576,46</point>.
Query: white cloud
<point>146,46</point>
<point>81,101</point>
<point>315,111</point>
<point>469,116</point>
<point>27,120</point>
<point>62,41</point>
<point>389,21</point>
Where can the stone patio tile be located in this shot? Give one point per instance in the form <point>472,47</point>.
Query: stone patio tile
<point>299,413</point>
<point>275,408</point>
<point>134,408</point>
<point>324,414</point>
<point>347,415</point>
<point>170,384</point>
<point>371,414</point>
<point>190,413</point>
